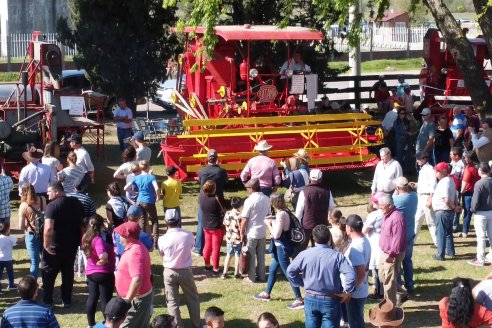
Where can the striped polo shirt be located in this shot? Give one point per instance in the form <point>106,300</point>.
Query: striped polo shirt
<point>29,314</point>
<point>87,203</point>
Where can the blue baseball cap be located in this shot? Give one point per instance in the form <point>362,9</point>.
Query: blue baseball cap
<point>134,211</point>
<point>138,136</point>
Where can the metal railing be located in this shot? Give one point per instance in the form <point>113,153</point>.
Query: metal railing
<point>14,47</point>
<point>380,38</point>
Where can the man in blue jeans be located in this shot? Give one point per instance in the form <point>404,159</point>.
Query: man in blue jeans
<point>318,270</point>
<point>358,254</point>
<point>444,205</point>
<point>123,116</point>
<point>405,201</point>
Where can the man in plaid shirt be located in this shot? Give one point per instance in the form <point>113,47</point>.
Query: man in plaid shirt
<point>6,186</point>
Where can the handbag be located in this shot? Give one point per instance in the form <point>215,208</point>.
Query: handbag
<point>244,260</point>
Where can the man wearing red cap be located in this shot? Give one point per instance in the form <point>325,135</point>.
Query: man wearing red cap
<point>444,205</point>
<point>132,281</point>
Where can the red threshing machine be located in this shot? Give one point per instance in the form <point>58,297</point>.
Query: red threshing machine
<point>442,82</point>
<point>232,101</point>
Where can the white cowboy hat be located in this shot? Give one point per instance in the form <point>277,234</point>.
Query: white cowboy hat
<point>262,145</point>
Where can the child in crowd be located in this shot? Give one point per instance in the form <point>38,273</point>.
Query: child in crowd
<point>132,193</point>
<point>372,228</point>
<point>171,191</point>
<point>117,205</point>
<point>164,321</point>
<point>340,237</point>
<point>231,224</point>
<point>214,317</point>
<point>7,243</point>
<point>267,320</point>
<point>135,214</point>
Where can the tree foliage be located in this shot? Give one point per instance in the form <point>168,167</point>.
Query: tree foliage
<point>122,44</point>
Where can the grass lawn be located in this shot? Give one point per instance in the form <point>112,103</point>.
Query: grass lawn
<point>384,65</point>
<point>350,189</point>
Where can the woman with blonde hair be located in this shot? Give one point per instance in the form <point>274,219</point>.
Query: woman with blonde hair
<point>30,205</point>
<point>50,156</point>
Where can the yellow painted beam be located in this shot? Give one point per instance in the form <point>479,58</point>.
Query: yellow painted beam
<point>357,159</point>
<point>280,130</point>
<point>282,153</point>
<point>276,119</point>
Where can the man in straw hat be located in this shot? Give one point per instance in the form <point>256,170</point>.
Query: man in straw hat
<point>36,173</point>
<point>263,168</point>
<point>385,314</point>
<point>303,156</point>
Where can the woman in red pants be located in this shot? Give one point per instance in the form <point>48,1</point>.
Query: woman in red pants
<point>213,212</point>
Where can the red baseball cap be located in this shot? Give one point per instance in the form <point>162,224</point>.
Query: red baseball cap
<point>129,230</point>
<point>442,167</point>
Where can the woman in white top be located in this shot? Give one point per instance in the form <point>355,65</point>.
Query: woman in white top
<point>281,249</point>
<point>72,175</point>
<point>372,228</point>
<point>129,159</point>
<point>30,203</point>
<point>50,156</point>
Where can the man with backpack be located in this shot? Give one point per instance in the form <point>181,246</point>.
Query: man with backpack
<point>63,220</point>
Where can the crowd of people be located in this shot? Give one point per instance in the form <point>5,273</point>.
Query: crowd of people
<point>329,280</point>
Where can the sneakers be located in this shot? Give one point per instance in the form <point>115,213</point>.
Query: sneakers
<point>216,273</point>
<point>208,268</point>
<point>237,276</point>
<point>401,300</point>
<point>475,262</point>
<point>463,235</point>
<point>437,258</point>
<point>296,305</point>
<point>262,297</point>
<point>248,280</point>
<point>196,253</point>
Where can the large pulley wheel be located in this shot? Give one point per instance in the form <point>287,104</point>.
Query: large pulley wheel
<point>5,130</point>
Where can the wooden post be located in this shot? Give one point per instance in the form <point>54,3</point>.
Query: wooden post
<point>409,34</point>
<point>371,39</point>
<point>9,53</point>
<point>357,91</point>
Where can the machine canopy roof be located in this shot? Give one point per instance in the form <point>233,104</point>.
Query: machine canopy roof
<point>260,32</point>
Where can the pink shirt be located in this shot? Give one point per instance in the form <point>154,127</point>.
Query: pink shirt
<point>134,262</point>
<point>99,247</point>
<point>263,168</point>
<point>175,248</point>
<point>393,238</point>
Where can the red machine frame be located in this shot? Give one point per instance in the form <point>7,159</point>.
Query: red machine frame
<point>229,104</point>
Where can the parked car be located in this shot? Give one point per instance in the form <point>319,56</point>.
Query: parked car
<point>163,93</point>
<point>74,83</point>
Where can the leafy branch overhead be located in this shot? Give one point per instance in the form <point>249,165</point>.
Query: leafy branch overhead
<point>122,45</point>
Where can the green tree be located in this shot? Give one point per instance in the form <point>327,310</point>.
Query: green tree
<point>202,14</point>
<point>122,44</point>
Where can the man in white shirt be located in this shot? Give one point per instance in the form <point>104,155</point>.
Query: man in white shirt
<point>144,153</point>
<point>83,160</point>
<point>444,205</point>
<point>389,119</point>
<point>123,117</point>
<point>253,229</point>
<point>296,64</point>
<point>175,248</point>
<point>387,171</point>
<point>425,189</point>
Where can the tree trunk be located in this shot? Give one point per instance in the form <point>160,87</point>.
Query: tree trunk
<point>462,52</point>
